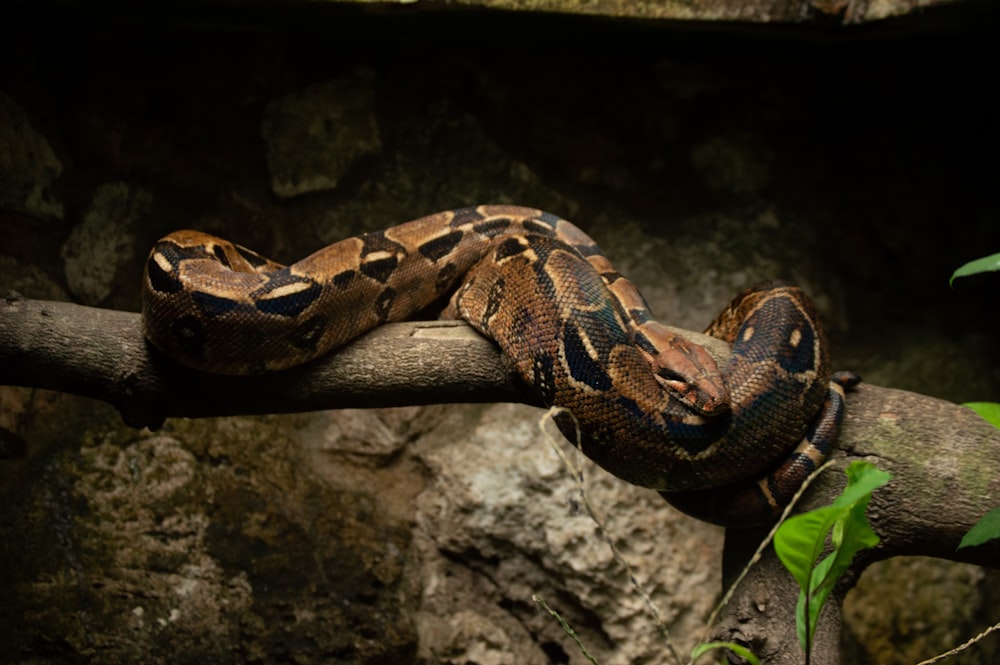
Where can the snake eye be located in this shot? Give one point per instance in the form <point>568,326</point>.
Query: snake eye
<point>669,377</point>
<point>677,385</point>
<point>689,391</point>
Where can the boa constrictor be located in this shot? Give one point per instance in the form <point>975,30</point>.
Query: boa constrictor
<point>645,404</point>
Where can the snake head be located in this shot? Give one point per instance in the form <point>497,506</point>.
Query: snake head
<point>685,370</point>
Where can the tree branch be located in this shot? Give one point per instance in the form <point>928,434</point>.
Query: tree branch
<point>943,457</point>
<point>102,354</point>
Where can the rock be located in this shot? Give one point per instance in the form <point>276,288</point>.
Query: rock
<point>104,242</point>
<point>503,521</point>
<point>315,136</point>
<point>28,165</point>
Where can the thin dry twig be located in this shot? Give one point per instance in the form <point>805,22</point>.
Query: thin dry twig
<point>538,600</point>
<point>577,472</point>
<point>713,617</point>
<point>962,647</point>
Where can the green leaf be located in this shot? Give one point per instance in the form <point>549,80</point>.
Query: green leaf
<point>863,478</point>
<point>985,264</point>
<point>816,600</point>
<point>987,528</point>
<point>801,540</point>
<point>799,543</point>
<point>851,533</point>
<point>990,411</point>
<point>738,649</point>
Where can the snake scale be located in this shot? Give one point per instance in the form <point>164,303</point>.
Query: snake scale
<point>728,444</point>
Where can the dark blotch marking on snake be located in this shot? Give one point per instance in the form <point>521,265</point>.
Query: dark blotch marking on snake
<point>464,216</point>
<point>383,304</point>
<point>290,304</point>
<point>640,316</point>
<point>220,256</point>
<point>632,407</point>
<point>342,279</point>
<point>543,376</point>
<point>376,241</point>
<point>251,257</point>
<point>380,269</point>
<point>538,226</point>
<point>190,336</point>
<point>800,356</point>
<point>491,228</point>
<point>445,277</point>
<point>792,357</point>
<point>160,280</point>
<point>441,246</point>
<point>582,367</point>
<point>508,248</point>
<point>494,299</point>
<point>212,305</point>
<point>643,343</point>
<point>163,281</point>
<point>309,333</point>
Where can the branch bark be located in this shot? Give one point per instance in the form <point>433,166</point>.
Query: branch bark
<point>943,457</point>
<point>102,354</point>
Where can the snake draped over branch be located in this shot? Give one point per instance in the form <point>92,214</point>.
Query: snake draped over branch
<point>728,444</point>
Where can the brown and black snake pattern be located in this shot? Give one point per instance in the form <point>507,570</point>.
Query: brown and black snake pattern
<point>647,405</point>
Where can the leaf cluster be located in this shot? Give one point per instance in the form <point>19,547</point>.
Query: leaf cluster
<point>842,530</point>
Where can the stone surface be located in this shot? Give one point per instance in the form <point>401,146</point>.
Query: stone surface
<point>104,241</point>
<point>28,165</point>
<point>924,589</point>
<point>316,135</point>
<point>194,547</point>
<point>28,280</point>
<point>502,500</point>
<point>420,535</point>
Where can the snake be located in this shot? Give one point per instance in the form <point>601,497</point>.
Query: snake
<point>729,444</point>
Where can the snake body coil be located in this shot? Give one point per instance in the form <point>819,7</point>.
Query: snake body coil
<point>647,405</point>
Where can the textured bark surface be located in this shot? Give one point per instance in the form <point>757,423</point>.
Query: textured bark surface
<point>939,454</point>
<point>102,354</point>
